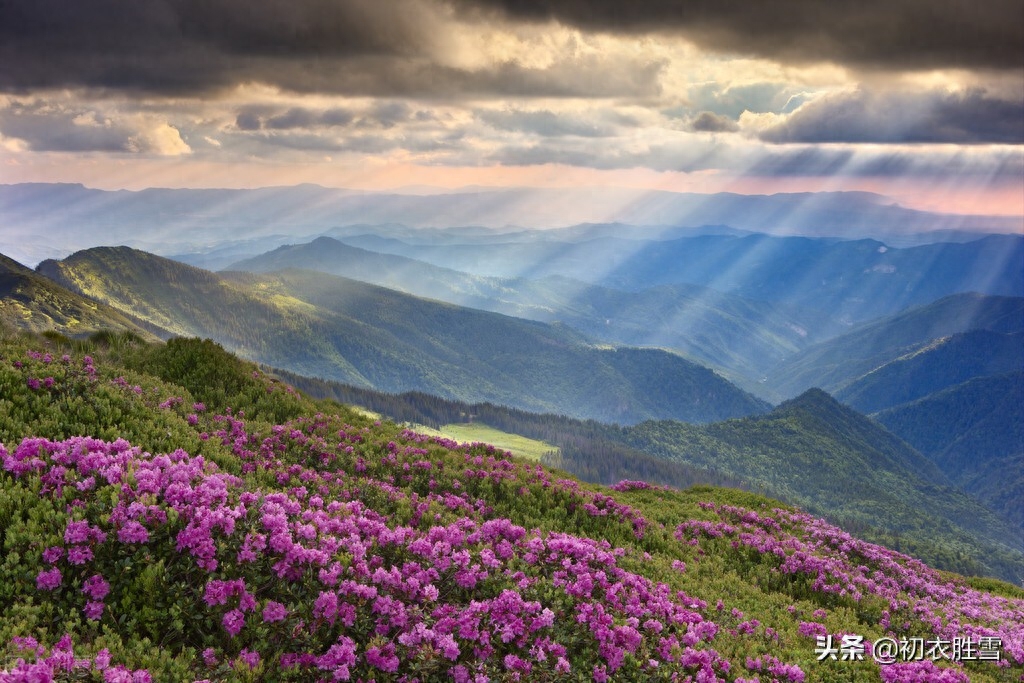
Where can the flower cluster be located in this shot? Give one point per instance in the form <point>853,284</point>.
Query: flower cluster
<point>476,595</point>
<point>920,601</point>
<point>37,664</point>
<point>316,549</point>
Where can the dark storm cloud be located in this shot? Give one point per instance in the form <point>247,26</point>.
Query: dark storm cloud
<point>970,117</point>
<point>270,118</point>
<point>897,34</point>
<point>186,47</point>
<point>594,76</point>
<point>709,122</point>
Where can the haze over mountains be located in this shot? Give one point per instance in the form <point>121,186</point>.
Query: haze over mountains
<point>252,221</point>
<point>365,335</point>
<point>740,337</point>
<point>653,329</point>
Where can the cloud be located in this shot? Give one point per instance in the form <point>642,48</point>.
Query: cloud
<point>196,45</point>
<point>264,117</point>
<point>399,48</point>
<point>864,116</point>
<point>543,122</point>
<point>679,152</point>
<point>708,122</point>
<point>733,100</point>
<point>162,139</point>
<point>389,114</point>
<point>877,34</point>
<point>48,127</point>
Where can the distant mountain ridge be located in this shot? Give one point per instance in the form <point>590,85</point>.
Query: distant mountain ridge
<point>179,218</point>
<point>331,327</point>
<point>946,362</point>
<point>974,431</point>
<point>854,280</point>
<point>838,362</point>
<point>742,337</point>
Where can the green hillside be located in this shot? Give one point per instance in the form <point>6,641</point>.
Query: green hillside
<point>942,364</point>
<point>31,302</point>
<point>975,433</point>
<point>170,513</point>
<point>330,327</point>
<point>811,451</point>
<point>833,364</point>
<point>815,452</point>
<point>742,337</point>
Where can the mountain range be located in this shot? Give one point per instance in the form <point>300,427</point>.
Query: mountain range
<point>349,331</point>
<point>940,380</point>
<point>853,280</point>
<point>192,220</point>
<point>742,338</point>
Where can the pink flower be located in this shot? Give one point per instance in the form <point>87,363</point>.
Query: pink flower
<point>233,622</point>
<point>79,554</point>
<point>249,658</point>
<point>93,610</point>
<point>96,587</point>
<point>132,532</point>
<point>47,580</point>
<point>274,611</point>
<point>102,660</point>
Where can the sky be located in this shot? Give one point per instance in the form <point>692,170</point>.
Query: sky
<point>920,100</point>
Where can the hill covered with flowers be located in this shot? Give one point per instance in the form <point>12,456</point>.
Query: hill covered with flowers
<point>169,512</point>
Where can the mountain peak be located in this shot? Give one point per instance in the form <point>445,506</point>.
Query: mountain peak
<point>816,402</point>
<point>327,240</point>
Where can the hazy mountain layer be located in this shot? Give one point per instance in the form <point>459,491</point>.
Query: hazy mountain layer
<point>836,363</point>
<point>341,329</point>
<point>742,337</point>
<point>852,280</point>
<point>183,220</point>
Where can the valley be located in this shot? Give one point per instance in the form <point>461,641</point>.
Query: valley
<point>359,326</point>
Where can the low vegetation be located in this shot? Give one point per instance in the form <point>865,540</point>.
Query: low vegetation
<point>811,452</point>
<point>169,512</point>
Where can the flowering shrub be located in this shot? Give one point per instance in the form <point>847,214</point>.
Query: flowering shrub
<point>326,547</point>
<point>60,662</point>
